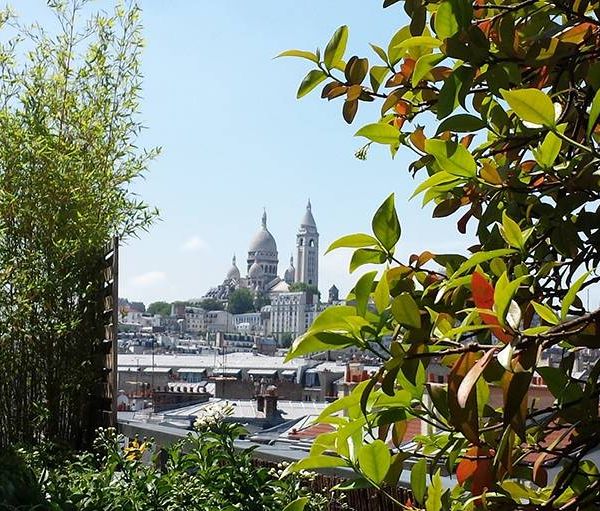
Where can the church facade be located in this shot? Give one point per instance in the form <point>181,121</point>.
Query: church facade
<point>262,262</point>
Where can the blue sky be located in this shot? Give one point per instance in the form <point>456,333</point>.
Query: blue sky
<point>235,139</point>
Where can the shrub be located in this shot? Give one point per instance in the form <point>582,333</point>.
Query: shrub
<point>497,105</point>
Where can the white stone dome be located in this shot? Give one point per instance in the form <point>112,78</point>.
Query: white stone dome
<point>263,241</point>
<point>255,271</point>
<point>234,272</point>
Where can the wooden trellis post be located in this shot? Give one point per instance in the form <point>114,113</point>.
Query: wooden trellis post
<point>108,388</point>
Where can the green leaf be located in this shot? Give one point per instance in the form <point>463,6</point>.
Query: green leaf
<point>333,317</point>
<point>511,232</point>
<point>336,47</point>
<point>313,462</point>
<point>386,225</point>
<point>377,76</point>
<point>381,296</point>
<point>425,64</point>
<point>546,313</point>
<point>362,292</point>
<point>421,40</point>
<point>554,378</point>
<point>437,179</point>
<point>504,292</point>
<point>374,460</point>
<point>358,240</point>
<point>380,132</point>
<point>454,90</point>
<point>547,152</point>
<point>481,257</point>
<point>571,294</point>
<point>311,80</point>
<point>594,112</point>
<point>344,403</point>
<point>395,53</point>
<point>298,504</point>
<point>418,480</point>
<point>434,493</point>
<point>452,157</point>
<point>299,53</point>
<point>406,311</point>
<point>446,24</point>
<point>366,256</point>
<point>314,341</point>
<point>461,123</point>
<point>531,105</point>
<point>380,52</point>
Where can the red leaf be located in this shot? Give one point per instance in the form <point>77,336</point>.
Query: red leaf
<point>483,296</point>
<point>477,468</point>
<point>483,291</point>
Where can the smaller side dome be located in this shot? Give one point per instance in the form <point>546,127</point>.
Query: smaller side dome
<point>290,273</point>
<point>255,271</point>
<point>234,272</point>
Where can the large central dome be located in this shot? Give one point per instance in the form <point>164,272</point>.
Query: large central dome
<point>263,240</point>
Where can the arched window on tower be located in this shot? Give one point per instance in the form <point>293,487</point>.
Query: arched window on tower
<point>311,243</point>
<point>301,241</point>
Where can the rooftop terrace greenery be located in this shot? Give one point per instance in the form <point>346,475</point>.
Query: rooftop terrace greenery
<point>204,472</point>
<point>68,154</point>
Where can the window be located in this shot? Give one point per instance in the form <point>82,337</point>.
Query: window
<point>311,243</point>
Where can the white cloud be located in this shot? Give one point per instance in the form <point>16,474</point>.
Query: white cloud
<point>150,278</point>
<point>193,244</point>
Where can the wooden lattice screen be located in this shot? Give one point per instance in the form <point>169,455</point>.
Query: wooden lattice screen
<point>107,390</point>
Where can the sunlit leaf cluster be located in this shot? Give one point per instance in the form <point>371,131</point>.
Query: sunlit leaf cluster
<point>498,103</point>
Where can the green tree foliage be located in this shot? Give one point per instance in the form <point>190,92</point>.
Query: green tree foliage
<point>68,135</point>
<point>161,308</point>
<point>211,304</point>
<point>204,472</point>
<point>260,301</point>
<point>286,339</point>
<point>241,300</point>
<point>498,102</point>
<point>303,286</point>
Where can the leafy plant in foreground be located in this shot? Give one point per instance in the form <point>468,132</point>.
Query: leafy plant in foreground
<point>499,104</point>
<point>204,472</point>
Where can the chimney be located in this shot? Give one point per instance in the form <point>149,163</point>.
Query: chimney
<point>271,402</point>
<point>260,403</point>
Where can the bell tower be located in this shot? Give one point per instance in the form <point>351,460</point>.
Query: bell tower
<point>307,245</point>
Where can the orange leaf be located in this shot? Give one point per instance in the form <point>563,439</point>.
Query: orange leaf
<point>483,291</point>
<point>483,296</point>
<point>539,181</point>
<point>407,67</point>
<point>417,139</point>
<point>399,122</point>
<point>466,140</point>
<point>578,33</point>
<point>528,165</point>
<point>485,26</point>
<point>402,107</point>
<point>477,468</point>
